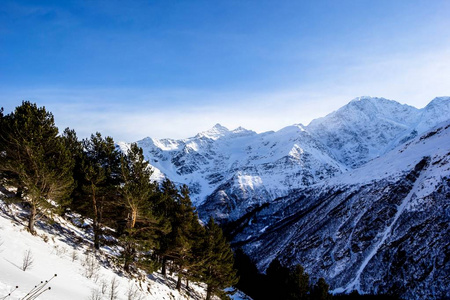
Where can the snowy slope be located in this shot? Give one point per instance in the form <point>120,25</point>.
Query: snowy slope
<point>381,228</point>
<point>359,197</point>
<point>62,249</point>
<point>363,129</point>
<point>240,163</point>
<point>230,172</point>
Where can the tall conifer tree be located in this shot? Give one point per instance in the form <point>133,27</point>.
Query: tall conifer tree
<point>218,272</point>
<point>166,207</point>
<point>101,168</point>
<point>139,196</point>
<point>137,187</point>
<point>36,159</point>
<point>320,291</point>
<point>298,283</point>
<point>185,233</point>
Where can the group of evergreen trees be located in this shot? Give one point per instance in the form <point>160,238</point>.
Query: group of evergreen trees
<point>279,282</point>
<point>155,225</point>
<point>288,283</point>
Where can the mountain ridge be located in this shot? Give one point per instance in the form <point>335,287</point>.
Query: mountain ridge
<point>218,163</point>
<point>359,197</point>
<point>382,228</point>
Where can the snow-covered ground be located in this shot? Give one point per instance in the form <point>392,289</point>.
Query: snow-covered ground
<point>63,249</point>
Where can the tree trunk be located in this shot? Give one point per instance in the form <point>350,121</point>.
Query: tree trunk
<point>163,269</point>
<point>208,292</point>
<point>96,228</point>
<point>126,254</point>
<point>187,283</point>
<point>95,222</point>
<point>179,281</point>
<point>19,192</point>
<point>133,218</point>
<point>32,219</point>
<point>129,254</point>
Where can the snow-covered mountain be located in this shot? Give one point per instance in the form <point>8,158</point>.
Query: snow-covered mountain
<point>230,172</point>
<point>239,168</point>
<point>360,197</point>
<point>381,228</point>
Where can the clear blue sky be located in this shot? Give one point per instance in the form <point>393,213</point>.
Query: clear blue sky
<point>132,69</point>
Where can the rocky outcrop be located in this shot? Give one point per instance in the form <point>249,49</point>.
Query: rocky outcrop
<point>388,234</point>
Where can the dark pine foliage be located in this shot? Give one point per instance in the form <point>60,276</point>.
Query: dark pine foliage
<point>35,159</point>
<point>218,272</point>
<point>139,198</point>
<point>356,296</point>
<point>101,168</point>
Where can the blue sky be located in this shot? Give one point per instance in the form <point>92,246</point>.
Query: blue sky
<point>132,69</point>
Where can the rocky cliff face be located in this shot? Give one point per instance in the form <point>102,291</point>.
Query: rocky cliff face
<point>230,172</point>
<point>359,197</point>
<point>382,228</point>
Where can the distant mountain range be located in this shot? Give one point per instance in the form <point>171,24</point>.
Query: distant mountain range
<point>359,197</point>
<point>229,172</point>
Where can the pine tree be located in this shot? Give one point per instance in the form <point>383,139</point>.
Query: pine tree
<point>298,283</point>
<point>101,168</point>
<point>286,283</point>
<point>138,195</point>
<point>277,280</point>
<point>75,148</point>
<point>185,234</point>
<point>195,260</point>
<point>137,187</point>
<point>320,291</point>
<point>250,280</point>
<point>36,159</point>
<point>2,129</point>
<point>217,272</point>
<point>166,208</point>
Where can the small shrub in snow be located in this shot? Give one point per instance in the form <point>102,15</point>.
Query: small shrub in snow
<point>74,255</point>
<point>133,292</point>
<point>95,295</point>
<point>113,289</point>
<point>27,260</point>
<point>104,286</point>
<point>60,251</point>
<point>45,238</point>
<point>91,266</point>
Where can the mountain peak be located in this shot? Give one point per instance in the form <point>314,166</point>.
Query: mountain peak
<point>215,132</point>
<point>362,98</point>
<point>435,112</point>
<point>371,100</point>
<point>241,131</point>
<point>439,101</point>
<point>218,126</point>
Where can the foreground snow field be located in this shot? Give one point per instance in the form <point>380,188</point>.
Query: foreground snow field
<point>63,249</point>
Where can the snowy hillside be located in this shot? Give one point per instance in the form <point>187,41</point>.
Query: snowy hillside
<point>230,172</point>
<point>364,129</point>
<point>381,228</point>
<point>63,249</point>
